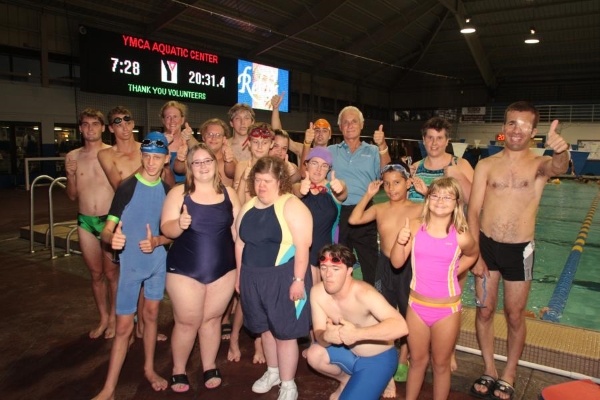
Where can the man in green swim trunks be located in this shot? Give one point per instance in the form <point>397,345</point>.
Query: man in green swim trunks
<point>87,183</point>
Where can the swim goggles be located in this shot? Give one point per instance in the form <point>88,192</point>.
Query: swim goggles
<point>330,259</point>
<point>395,167</point>
<point>118,120</point>
<point>261,132</point>
<point>151,143</point>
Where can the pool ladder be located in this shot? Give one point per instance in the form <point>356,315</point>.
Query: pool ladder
<point>50,240</point>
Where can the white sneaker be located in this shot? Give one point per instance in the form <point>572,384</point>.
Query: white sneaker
<point>288,393</point>
<point>266,382</point>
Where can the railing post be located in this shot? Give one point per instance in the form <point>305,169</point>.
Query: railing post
<point>57,181</point>
<point>32,208</point>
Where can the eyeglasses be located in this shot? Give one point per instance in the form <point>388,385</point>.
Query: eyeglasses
<point>202,163</point>
<point>261,132</point>
<point>214,135</point>
<point>481,303</point>
<point>317,165</point>
<point>118,120</point>
<point>395,167</point>
<point>436,197</point>
<point>151,143</point>
<point>330,259</point>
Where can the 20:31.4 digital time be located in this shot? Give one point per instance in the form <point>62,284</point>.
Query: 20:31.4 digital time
<point>127,67</point>
<point>198,78</point>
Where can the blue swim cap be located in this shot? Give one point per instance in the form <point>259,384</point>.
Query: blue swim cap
<point>155,142</point>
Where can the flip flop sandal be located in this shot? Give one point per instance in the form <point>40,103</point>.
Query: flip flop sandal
<point>210,374</point>
<point>484,380</point>
<point>503,387</point>
<point>180,379</point>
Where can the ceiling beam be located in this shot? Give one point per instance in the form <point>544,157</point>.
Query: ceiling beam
<point>172,12</point>
<point>308,19</point>
<point>483,63</point>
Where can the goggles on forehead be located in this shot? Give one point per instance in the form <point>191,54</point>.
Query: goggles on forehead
<point>151,143</point>
<point>395,167</point>
<point>118,120</point>
<point>261,132</point>
<point>330,259</point>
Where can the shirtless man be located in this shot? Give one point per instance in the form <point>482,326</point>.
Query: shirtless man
<point>214,133</point>
<point>506,193</point>
<point>122,160</point>
<point>241,117</point>
<point>87,183</point>
<point>392,283</point>
<point>354,327</point>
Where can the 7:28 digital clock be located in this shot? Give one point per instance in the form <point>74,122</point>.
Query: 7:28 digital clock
<point>126,67</point>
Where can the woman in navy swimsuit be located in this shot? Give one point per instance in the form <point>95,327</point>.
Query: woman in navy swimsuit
<point>201,275</point>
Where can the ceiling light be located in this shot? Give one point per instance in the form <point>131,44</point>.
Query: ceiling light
<point>468,27</point>
<point>532,38</point>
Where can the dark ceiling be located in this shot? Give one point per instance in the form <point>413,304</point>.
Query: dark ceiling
<point>388,45</point>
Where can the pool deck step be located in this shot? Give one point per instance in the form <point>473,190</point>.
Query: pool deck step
<point>566,348</point>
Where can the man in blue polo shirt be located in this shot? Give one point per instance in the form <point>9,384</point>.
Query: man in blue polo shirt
<point>358,164</point>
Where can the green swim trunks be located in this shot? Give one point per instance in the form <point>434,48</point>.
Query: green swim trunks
<point>92,224</point>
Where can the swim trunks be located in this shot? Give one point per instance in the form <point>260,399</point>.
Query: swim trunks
<point>514,261</point>
<point>394,283</point>
<point>369,376</point>
<point>92,224</point>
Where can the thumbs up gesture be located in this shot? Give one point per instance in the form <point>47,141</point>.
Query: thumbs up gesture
<point>118,238</point>
<point>227,151</point>
<point>379,136</point>
<point>332,332</point>
<point>555,141</point>
<point>182,152</point>
<point>348,332</point>
<point>404,234</point>
<point>305,184</point>
<point>187,132</point>
<point>185,219</point>
<point>147,245</point>
<point>71,166</point>
<point>276,100</point>
<point>309,134</point>
<point>335,184</point>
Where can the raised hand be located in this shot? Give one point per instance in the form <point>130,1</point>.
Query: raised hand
<point>348,332</point>
<point>379,136</point>
<point>146,245</point>
<point>555,141</point>
<point>71,166</point>
<point>305,184</point>
<point>187,132</point>
<point>332,332</point>
<point>374,187</point>
<point>185,219</point>
<point>276,100</point>
<point>335,184</point>
<point>118,238</point>
<point>419,185</point>
<point>309,134</point>
<point>182,152</point>
<point>404,234</point>
<point>227,152</point>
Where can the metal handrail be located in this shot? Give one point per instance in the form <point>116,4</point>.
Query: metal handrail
<point>68,247</point>
<point>32,208</point>
<point>57,181</point>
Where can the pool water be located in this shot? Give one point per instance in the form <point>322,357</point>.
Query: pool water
<point>563,208</point>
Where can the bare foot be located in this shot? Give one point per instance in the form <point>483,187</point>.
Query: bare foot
<point>105,394</point>
<point>338,392</point>
<point>110,330</point>
<point>453,364</point>
<point>98,331</point>
<point>390,390</point>
<point>161,337</point>
<point>234,353</point>
<point>158,383</point>
<point>259,354</point>
<point>304,352</point>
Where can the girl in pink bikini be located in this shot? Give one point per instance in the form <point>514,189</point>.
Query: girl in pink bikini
<point>441,248</point>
